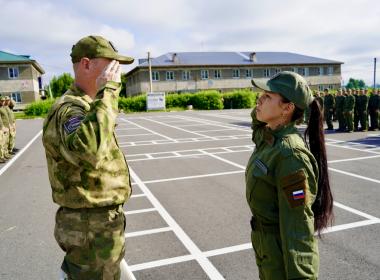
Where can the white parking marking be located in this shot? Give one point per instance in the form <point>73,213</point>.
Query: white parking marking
<point>151,131</point>
<point>132,212</point>
<point>147,232</point>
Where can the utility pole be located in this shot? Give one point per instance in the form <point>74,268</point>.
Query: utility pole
<point>374,73</point>
<point>150,73</point>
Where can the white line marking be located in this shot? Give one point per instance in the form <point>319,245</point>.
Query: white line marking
<point>147,232</point>
<point>352,159</point>
<point>134,135</point>
<point>151,131</point>
<point>162,262</point>
<point>354,175</point>
<point>182,129</point>
<point>205,263</point>
<point>11,161</point>
<point>355,211</point>
<point>137,195</point>
<point>350,225</point>
<point>228,250</point>
<point>193,177</point>
<point>125,269</point>
<point>224,160</point>
<point>132,212</point>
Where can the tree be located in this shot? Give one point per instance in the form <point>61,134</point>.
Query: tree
<point>123,85</point>
<point>59,85</point>
<point>353,83</point>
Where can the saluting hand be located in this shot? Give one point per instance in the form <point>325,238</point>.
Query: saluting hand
<point>112,72</point>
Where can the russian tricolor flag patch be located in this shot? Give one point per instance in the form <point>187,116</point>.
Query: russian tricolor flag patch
<point>298,195</point>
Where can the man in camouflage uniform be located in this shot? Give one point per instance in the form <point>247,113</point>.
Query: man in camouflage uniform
<point>356,114</point>
<point>373,109</point>
<point>329,105</point>
<point>339,110</point>
<point>2,139</point>
<point>362,110</point>
<point>88,173</point>
<point>348,110</point>
<point>6,129</point>
<point>12,125</point>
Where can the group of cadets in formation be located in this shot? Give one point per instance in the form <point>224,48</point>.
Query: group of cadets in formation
<point>354,109</point>
<point>7,129</point>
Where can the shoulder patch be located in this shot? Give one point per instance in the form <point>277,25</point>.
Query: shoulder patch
<point>261,166</point>
<point>294,187</point>
<point>72,124</point>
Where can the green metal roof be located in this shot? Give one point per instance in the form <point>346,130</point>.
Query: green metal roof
<point>6,57</point>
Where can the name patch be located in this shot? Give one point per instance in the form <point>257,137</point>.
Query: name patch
<point>72,124</point>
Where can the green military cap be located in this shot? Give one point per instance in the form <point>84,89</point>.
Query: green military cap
<point>289,85</point>
<point>97,47</point>
<point>2,98</point>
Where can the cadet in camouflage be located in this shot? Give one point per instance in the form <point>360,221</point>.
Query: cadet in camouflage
<point>12,125</point>
<point>6,129</point>
<point>88,173</point>
<point>284,181</point>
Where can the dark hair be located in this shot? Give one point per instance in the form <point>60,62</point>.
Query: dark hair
<point>314,133</point>
<point>315,141</point>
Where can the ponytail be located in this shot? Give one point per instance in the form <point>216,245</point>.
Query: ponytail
<point>323,204</point>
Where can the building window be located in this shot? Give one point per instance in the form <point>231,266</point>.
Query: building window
<point>13,72</point>
<point>16,96</point>
<point>321,87</point>
<point>330,70</point>
<point>302,71</point>
<point>267,73</point>
<point>331,86</point>
<point>248,73</point>
<point>320,71</point>
<point>236,73</point>
<point>169,75</point>
<point>204,74</point>
<point>155,76</point>
<point>217,74</point>
<point>185,75</point>
<point>277,70</point>
<point>294,69</point>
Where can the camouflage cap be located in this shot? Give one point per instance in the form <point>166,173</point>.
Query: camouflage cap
<point>96,47</point>
<point>289,85</point>
<point>2,98</point>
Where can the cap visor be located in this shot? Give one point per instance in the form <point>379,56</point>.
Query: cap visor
<point>261,85</point>
<point>124,59</point>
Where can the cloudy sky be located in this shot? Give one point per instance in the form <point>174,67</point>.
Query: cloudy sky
<point>347,31</point>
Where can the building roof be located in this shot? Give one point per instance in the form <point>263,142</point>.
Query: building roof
<point>6,57</point>
<point>234,58</point>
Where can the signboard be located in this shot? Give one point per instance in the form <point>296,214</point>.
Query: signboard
<point>155,101</point>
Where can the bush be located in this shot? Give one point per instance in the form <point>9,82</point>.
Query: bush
<point>239,99</point>
<point>39,108</point>
<point>133,104</point>
<point>207,100</point>
<point>175,100</point>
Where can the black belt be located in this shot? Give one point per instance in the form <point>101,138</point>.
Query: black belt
<point>257,225</point>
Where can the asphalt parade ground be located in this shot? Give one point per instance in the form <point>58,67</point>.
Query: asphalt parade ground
<point>188,217</point>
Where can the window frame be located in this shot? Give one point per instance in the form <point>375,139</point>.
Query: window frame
<point>204,74</point>
<point>186,75</point>
<point>155,76</point>
<point>171,75</point>
<point>233,74</point>
<point>17,93</point>
<point>12,70</point>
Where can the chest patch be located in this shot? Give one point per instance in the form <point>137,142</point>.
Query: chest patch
<point>72,124</point>
<point>261,166</point>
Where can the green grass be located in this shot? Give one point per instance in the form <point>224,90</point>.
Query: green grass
<point>21,116</point>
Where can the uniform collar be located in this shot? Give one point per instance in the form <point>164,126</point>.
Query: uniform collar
<point>76,91</point>
<point>270,135</point>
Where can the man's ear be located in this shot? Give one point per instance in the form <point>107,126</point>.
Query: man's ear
<point>85,63</point>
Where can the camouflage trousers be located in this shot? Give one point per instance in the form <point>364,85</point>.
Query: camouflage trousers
<point>93,240</point>
<point>4,142</point>
<point>12,138</point>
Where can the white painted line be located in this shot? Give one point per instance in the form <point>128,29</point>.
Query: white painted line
<point>205,263</point>
<point>215,130</point>
<point>228,250</point>
<point>352,159</point>
<point>193,177</point>
<point>133,212</point>
<point>355,211</point>
<point>147,232</point>
<point>354,149</point>
<point>134,135</point>
<point>224,160</point>
<point>159,263</point>
<point>126,272</point>
<point>355,175</point>
<point>137,195</point>
<point>151,131</point>
<point>350,225</point>
<point>182,129</point>
<point>216,123</point>
<point>12,160</point>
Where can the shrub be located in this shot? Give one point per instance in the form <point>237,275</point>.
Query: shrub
<point>207,100</point>
<point>239,99</point>
<point>133,104</point>
<point>39,108</point>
